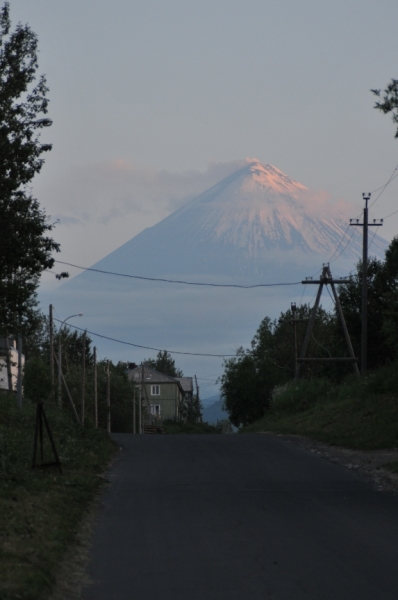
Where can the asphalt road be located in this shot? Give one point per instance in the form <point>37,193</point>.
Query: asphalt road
<point>214,517</point>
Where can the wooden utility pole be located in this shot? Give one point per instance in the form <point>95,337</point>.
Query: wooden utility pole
<point>295,320</point>
<point>8,363</point>
<point>364,311</point>
<point>326,279</point>
<point>134,415</point>
<point>51,336</point>
<point>198,412</point>
<point>140,400</point>
<point>95,389</point>
<point>68,393</point>
<point>19,376</point>
<point>108,399</point>
<point>83,378</point>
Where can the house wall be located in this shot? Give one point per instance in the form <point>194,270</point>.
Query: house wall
<point>169,394</point>
<point>14,368</point>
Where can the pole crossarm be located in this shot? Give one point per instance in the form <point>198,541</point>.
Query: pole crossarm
<point>325,281</point>
<point>331,359</point>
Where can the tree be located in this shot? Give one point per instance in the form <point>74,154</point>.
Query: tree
<point>250,377</point>
<point>389,102</point>
<point>382,307</point>
<point>25,248</point>
<point>164,363</point>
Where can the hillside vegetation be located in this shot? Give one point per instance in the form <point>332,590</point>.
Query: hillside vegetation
<point>261,390</point>
<point>356,413</point>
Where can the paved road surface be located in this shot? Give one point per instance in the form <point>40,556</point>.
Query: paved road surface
<point>240,517</point>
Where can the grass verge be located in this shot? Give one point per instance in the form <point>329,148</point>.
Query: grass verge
<point>359,414</point>
<point>173,427</point>
<point>40,510</point>
<point>393,467</point>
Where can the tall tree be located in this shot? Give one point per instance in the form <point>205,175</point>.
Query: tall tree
<point>25,247</point>
<point>164,363</point>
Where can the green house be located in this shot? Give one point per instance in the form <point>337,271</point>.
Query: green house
<point>162,396</point>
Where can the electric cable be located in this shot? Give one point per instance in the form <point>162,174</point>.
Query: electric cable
<point>163,280</point>
<point>373,237</point>
<point>383,187</point>
<point>345,247</point>
<point>147,347</point>
<point>391,214</point>
<point>341,241</point>
<point>320,345</point>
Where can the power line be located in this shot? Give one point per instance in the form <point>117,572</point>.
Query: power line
<point>222,285</point>
<point>383,187</point>
<point>374,235</point>
<point>341,241</point>
<point>391,214</point>
<point>146,347</point>
<point>345,247</point>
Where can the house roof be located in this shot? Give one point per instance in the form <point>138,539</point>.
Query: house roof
<point>186,384</point>
<point>153,376</point>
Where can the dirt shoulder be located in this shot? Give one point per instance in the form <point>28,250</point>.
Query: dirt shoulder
<point>370,463</point>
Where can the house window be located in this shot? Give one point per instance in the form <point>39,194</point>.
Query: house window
<point>155,390</point>
<point>155,410</point>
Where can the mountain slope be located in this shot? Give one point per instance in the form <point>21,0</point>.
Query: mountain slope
<point>255,226</point>
<point>256,223</point>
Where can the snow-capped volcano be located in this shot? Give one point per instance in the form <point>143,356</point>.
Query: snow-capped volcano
<point>255,226</point>
<point>257,222</point>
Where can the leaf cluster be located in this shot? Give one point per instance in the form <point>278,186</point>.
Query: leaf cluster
<point>389,102</point>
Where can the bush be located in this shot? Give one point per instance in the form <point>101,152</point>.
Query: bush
<point>297,396</point>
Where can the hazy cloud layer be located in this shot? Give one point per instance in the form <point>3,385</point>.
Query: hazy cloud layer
<point>105,192</point>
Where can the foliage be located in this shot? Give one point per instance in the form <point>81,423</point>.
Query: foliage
<point>250,377</point>
<point>173,427</point>
<point>164,363</point>
<point>389,102</point>
<point>37,378</point>
<point>25,247</point>
<point>356,413</point>
<point>36,381</point>
<point>41,511</point>
<point>382,307</point>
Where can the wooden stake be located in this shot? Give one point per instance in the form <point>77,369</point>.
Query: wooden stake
<point>40,418</point>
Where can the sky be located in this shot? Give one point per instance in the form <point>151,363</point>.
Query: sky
<point>153,102</point>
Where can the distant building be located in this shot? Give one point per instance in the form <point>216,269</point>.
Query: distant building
<point>187,386</point>
<point>9,364</point>
<point>163,396</point>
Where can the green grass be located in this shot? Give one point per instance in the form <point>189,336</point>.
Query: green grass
<point>171,427</point>
<point>361,414</point>
<point>40,510</point>
<point>393,467</point>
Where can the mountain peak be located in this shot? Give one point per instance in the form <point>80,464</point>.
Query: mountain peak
<point>272,178</point>
<point>257,222</point>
